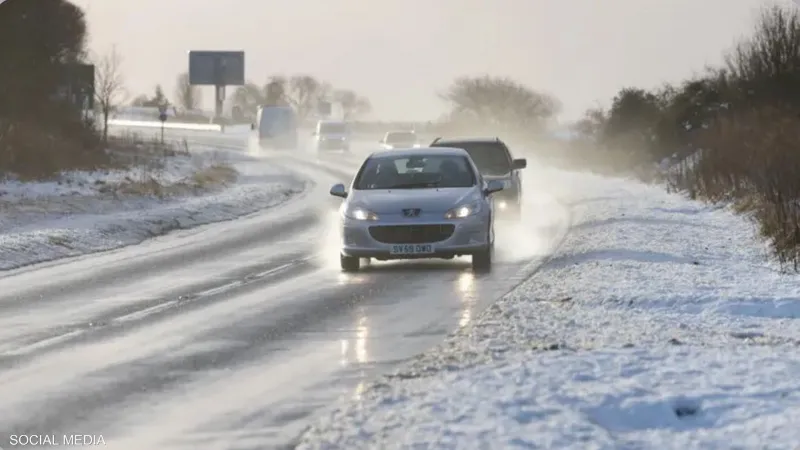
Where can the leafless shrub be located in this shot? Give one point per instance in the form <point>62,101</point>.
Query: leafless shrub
<point>752,159</point>
<point>109,85</point>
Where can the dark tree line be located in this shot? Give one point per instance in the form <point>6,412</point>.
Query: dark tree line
<point>732,134</point>
<point>40,130</point>
<point>761,73</point>
<point>303,92</point>
<point>498,105</point>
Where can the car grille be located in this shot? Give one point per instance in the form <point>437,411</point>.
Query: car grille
<point>332,143</point>
<point>411,234</point>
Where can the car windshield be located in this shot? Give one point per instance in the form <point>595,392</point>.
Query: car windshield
<point>491,158</point>
<point>415,172</point>
<point>332,128</point>
<point>401,137</point>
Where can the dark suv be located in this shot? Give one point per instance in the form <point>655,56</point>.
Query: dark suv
<point>495,162</point>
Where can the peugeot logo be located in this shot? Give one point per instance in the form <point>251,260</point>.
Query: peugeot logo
<point>411,212</point>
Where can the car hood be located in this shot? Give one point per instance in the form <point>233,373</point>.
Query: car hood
<point>402,145</point>
<point>393,201</point>
<point>497,177</point>
<point>506,179</point>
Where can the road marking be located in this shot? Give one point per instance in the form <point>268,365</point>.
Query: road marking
<point>141,314</point>
<point>137,315</point>
<point>19,351</point>
<point>248,279</point>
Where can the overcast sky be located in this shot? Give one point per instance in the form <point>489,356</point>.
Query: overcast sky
<point>399,53</point>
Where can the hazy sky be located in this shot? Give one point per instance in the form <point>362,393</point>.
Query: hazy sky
<point>399,53</point>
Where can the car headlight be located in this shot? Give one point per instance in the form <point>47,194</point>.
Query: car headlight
<point>358,213</point>
<point>463,211</point>
<point>502,204</point>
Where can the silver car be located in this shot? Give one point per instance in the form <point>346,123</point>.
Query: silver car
<point>417,203</point>
<point>399,139</point>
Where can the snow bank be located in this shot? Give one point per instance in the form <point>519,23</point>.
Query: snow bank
<point>659,323</point>
<point>90,212</point>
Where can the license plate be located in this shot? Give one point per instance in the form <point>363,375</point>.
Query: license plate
<point>411,249</point>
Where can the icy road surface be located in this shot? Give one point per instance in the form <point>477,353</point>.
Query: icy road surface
<point>233,335</point>
<point>658,324</point>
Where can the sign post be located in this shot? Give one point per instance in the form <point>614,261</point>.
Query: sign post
<point>162,116</point>
<point>218,69</point>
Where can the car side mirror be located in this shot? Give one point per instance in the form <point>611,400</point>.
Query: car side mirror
<point>520,163</point>
<point>338,190</point>
<point>494,186</point>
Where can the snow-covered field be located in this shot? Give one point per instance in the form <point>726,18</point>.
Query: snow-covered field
<point>659,323</point>
<point>89,212</point>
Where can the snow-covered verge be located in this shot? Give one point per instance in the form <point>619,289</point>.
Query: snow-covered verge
<point>85,212</point>
<point>659,323</point>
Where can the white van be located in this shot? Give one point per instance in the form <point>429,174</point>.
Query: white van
<point>276,127</point>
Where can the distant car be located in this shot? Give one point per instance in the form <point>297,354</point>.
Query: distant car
<point>417,203</point>
<point>495,162</point>
<point>276,127</point>
<point>399,139</point>
<point>331,135</point>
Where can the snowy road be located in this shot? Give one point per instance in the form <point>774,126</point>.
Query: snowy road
<point>659,323</point>
<point>232,335</point>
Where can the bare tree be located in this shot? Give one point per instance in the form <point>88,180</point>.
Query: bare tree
<point>248,98</point>
<point>324,92</point>
<point>353,105</point>
<point>188,97</point>
<point>275,91</point>
<point>109,85</point>
<point>140,100</point>
<point>590,126</point>
<point>764,66</point>
<point>303,93</point>
<point>499,101</point>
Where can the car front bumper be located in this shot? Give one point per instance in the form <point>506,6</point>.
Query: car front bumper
<point>448,238</point>
<point>287,139</point>
<point>504,206</point>
<point>507,203</point>
<point>333,144</point>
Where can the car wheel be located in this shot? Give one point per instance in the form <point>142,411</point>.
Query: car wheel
<point>482,260</point>
<point>349,263</point>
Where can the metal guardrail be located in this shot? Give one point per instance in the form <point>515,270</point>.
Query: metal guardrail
<point>365,135</point>
<point>166,125</point>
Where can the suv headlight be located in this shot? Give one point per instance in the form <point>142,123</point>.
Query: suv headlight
<point>463,211</point>
<point>359,213</point>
